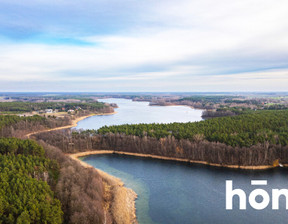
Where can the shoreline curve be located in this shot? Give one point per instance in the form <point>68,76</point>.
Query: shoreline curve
<point>74,123</point>
<point>95,152</point>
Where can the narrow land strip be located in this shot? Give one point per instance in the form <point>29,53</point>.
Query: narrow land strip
<point>74,124</point>
<point>122,204</point>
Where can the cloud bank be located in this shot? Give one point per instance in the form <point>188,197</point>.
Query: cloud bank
<point>143,46</point>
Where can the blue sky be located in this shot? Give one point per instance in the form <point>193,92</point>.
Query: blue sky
<point>129,45</point>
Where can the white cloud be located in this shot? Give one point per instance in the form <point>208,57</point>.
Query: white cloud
<point>178,36</point>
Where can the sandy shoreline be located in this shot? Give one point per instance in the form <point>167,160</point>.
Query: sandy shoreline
<point>80,154</point>
<point>122,204</point>
<point>74,124</point>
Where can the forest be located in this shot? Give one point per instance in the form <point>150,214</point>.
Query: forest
<point>21,107</point>
<point>16,126</point>
<point>40,184</point>
<point>207,99</point>
<point>25,196</point>
<point>8,120</point>
<point>244,130</point>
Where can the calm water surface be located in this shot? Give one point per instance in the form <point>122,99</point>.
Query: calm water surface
<point>133,112</point>
<point>174,192</point>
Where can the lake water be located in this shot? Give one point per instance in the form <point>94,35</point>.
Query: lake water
<point>134,112</point>
<point>181,193</point>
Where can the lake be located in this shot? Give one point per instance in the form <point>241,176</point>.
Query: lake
<point>134,112</point>
<point>176,192</point>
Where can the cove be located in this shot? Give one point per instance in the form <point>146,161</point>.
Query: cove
<point>177,192</point>
<point>134,112</point>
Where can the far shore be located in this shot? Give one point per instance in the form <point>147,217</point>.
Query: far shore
<point>173,104</point>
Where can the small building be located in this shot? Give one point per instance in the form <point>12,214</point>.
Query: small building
<point>48,111</point>
<point>70,111</point>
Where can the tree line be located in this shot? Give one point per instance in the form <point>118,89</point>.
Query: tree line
<point>20,107</point>
<point>196,150</point>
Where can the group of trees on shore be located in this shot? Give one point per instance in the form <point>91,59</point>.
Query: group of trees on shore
<point>79,189</point>
<point>222,105</point>
<point>244,130</point>
<point>15,126</point>
<point>9,120</point>
<point>197,150</point>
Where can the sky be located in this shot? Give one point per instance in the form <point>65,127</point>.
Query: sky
<point>137,45</point>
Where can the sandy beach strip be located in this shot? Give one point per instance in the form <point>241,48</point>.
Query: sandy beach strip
<point>94,152</point>
<point>74,124</point>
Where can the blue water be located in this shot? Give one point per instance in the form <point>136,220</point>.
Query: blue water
<point>133,112</point>
<point>174,192</point>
